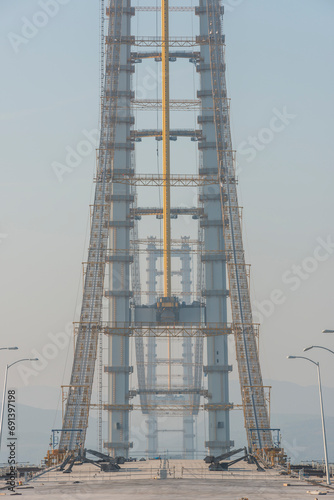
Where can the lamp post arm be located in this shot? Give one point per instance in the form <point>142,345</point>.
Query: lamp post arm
<point>19,361</point>
<point>308,359</point>
<point>325,348</point>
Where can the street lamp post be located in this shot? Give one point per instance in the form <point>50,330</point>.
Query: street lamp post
<point>317,364</point>
<point>317,347</point>
<point>327,331</point>
<point>5,389</point>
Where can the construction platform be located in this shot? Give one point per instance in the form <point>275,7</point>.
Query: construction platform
<point>185,479</point>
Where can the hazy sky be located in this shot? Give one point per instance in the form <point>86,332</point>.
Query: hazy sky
<point>280,79</point>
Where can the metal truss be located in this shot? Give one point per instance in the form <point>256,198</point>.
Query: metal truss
<point>126,254</point>
<point>177,330</point>
<point>174,242</point>
<point>195,135</point>
<point>158,180</point>
<point>193,57</point>
<point>156,41</point>
<point>174,104</point>
<point>194,211</point>
<point>157,9</point>
<point>172,9</point>
<point>175,408</point>
<point>173,391</point>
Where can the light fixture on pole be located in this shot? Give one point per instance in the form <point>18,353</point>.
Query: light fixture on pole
<point>317,347</point>
<point>5,389</point>
<point>327,331</point>
<point>8,348</point>
<point>317,364</point>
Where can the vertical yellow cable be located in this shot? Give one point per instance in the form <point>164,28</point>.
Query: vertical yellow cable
<point>166,146</point>
<point>169,361</point>
<point>166,163</point>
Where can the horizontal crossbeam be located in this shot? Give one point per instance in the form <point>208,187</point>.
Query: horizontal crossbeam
<point>172,9</point>
<point>157,41</point>
<point>170,408</point>
<point>180,54</point>
<point>139,134</point>
<point>157,241</point>
<point>159,251</point>
<point>170,330</point>
<point>177,330</point>
<point>174,104</point>
<point>194,211</point>
<point>168,392</point>
<point>158,180</point>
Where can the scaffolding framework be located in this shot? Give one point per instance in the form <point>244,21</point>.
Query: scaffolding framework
<point>173,329</point>
<point>190,364</point>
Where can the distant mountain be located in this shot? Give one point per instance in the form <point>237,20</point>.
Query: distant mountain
<point>33,431</point>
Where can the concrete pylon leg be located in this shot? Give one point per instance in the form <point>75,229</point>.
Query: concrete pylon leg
<point>215,261</point>
<point>119,268</point>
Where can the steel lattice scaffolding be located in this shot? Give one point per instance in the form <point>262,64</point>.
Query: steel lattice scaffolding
<point>190,362</point>
<point>173,329</point>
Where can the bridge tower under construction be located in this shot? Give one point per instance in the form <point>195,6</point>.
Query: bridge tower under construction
<point>165,257</point>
